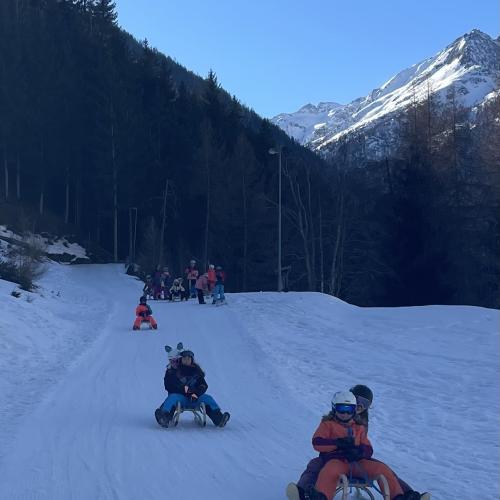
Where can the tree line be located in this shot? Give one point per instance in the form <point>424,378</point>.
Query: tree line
<point>149,162</point>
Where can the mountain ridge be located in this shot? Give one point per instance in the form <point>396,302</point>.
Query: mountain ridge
<point>469,67</point>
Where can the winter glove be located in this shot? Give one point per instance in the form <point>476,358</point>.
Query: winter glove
<point>345,443</point>
<point>353,454</point>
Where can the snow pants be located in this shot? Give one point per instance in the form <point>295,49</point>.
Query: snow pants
<point>329,476</point>
<point>201,297</point>
<point>218,292</point>
<point>173,399</point>
<point>192,288</point>
<point>148,319</point>
<point>310,475</point>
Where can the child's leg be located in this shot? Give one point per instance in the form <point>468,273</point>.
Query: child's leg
<point>152,321</point>
<point>404,486</point>
<point>310,475</point>
<point>215,295</point>
<point>137,322</point>
<point>329,477</point>
<point>172,400</point>
<point>209,401</point>
<point>374,468</point>
<point>221,292</point>
<point>201,300</point>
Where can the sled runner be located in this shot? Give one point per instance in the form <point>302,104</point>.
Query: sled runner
<point>145,325</point>
<point>199,412</point>
<point>363,486</point>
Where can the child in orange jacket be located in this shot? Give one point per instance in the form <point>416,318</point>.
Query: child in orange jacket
<point>364,399</point>
<point>144,314</point>
<point>211,277</point>
<point>346,450</point>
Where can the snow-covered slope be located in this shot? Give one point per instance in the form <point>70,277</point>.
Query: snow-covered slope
<point>470,66</point>
<point>78,390</point>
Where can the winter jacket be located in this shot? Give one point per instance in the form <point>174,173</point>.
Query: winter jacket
<point>176,380</point>
<point>329,431</point>
<point>201,282</point>
<point>167,280</point>
<point>177,289</point>
<point>143,310</point>
<point>211,275</point>
<point>359,418</point>
<point>191,273</point>
<point>157,279</point>
<point>220,276</point>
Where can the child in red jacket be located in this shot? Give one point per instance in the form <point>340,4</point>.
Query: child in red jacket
<point>144,315</point>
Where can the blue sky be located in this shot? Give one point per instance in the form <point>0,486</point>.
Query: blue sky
<point>278,55</point>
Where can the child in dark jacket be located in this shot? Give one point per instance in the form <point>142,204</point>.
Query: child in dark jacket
<point>185,384</point>
<point>218,294</point>
<point>144,315</point>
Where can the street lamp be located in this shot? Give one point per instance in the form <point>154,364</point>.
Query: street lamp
<point>278,151</point>
<point>132,220</point>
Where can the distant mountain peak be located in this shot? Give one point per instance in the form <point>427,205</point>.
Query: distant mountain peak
<point>470,64</point>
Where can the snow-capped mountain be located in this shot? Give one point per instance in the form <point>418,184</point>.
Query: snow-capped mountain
<point>470,66</point>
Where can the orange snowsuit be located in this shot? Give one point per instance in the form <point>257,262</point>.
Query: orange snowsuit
<point>211,279</point>
<point>325,441</point>
<point>143,313</point>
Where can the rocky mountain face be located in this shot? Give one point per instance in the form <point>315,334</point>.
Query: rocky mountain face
<point>465,74</point>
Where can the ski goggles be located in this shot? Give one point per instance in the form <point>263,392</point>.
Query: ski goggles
<point>363,402</point>
<point>187,354</point>
<point>345,408</point>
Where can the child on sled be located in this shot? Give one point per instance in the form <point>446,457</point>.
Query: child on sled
<point>144,315</point>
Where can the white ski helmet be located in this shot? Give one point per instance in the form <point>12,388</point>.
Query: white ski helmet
<point>343,398</point>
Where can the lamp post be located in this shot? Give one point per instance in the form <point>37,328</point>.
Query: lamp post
<point>132,217</point>
<point>278,151</point>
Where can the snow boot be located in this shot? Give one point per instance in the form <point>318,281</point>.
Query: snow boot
<point>217,417</point>
<point>294,492</point>
<point>155,327</point>
<point>314,494</point>
<point>413,495</point>
<point>164,418</point>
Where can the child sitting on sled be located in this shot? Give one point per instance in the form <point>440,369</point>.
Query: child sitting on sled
<point>346,449</point>
<point>185,383</point>
<point>364,399</point>
<point>144,315</point>
<point>177,291</point>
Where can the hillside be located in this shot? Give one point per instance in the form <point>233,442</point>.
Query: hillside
<point>79,388</point>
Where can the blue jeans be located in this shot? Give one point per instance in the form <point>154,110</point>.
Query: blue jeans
<point>218,292</point>
<point>173,399</point>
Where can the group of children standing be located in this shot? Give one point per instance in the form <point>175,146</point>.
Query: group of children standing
<point>160,285</point>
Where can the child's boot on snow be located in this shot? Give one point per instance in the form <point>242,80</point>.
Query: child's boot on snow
<point>295,492</point>
<point>314,494</point>
<point>413,495</point>
<point>164,418</point>
<point>217,417</point>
